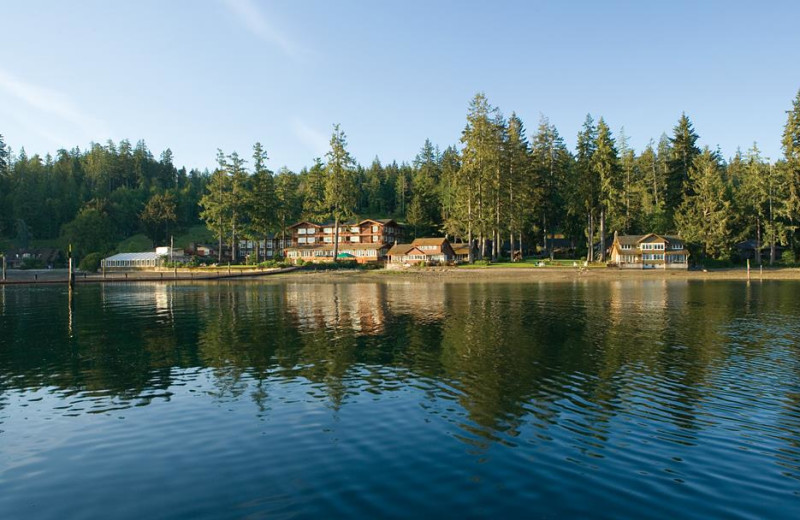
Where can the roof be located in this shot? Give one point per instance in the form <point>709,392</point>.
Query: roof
<point>632,240</point>
<point>147,255</point>
<point>461,249</point>
<point>429,242</point>
<point>400,249</point>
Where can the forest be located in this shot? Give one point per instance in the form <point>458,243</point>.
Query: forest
<point>502,187</point>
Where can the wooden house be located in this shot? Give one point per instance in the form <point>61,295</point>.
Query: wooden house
<point>423,251</point>
<point>649,251</point>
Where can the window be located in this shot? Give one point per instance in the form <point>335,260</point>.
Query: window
<point>355,229</point>
<point>355,239</point>
<point>374,229</point>
<point>301,240</point>
<point>328,240</point>
<point>328,230</point>
<point>311,240</point>
<point>375,238</point>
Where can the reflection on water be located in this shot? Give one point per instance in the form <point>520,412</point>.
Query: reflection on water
<point>641,397</point>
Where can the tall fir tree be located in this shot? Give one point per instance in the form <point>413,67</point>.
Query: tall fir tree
<point>683,151</point>
<point>704,215</point>
<point>340,186</point>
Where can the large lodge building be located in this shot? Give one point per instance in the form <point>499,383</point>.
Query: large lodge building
<point>364,241</point>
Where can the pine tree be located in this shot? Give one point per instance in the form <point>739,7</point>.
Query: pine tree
<point>340,187</point>
<point>704,215</point>
<point>605,167</point>
<point>550,180</point>
<point>683,151</point>
<point>479,162</point>
<point>260,199</point>
<point>216,210</point>
<point>523,188</point>
<point>587,184</point>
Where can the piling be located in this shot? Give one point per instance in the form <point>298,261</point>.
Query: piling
<point>71,270</point>
<point>4,268</point>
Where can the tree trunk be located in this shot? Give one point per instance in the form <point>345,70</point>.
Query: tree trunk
<point>602,235</point>
<point>590,237</point>
<point>233,244</point>
<point>470,256</point>
<point>219,251</point>
<point>758,240</point>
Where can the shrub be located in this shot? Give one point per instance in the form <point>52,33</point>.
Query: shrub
<point>300,262</point>
<point>32,263</point>
<point>90,263</point>
<point>483,262</point>
<point>787,257</point>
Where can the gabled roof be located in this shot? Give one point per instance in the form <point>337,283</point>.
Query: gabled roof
<point>384,221</point>
<point>400,249</point>
<point>462,249</point>
<point>634,240</point>
<point>303,223</point>
<point>429,242</point>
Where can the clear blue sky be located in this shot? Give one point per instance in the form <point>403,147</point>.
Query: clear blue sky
<point>197,75</point>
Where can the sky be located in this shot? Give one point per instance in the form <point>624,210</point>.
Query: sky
<point>198,75</point>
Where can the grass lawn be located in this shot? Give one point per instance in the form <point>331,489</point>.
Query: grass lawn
<point>198,234</point>
<point>135,244</point>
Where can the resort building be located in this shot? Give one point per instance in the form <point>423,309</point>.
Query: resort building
<point>422,251</point>
<point>461,252</point>
<point>368,231</point>
<point>649,252</point>
<point>361,253</point>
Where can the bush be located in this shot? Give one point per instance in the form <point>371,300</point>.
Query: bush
<point>300,262</point>
<point>482,262</point>
<point>90,263</point>
<point>31,263</point>
<point>787,257</point>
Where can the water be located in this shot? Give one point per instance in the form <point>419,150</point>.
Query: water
<point>634,398</point>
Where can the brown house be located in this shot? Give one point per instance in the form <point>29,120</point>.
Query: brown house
<point>422,251</point>
<point>649,252</point>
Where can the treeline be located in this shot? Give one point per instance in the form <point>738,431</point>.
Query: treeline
<point>94,198</point>
<point>501,187</point>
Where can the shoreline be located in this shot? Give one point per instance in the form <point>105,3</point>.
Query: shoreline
<point>439,274</point>
<point>546,274</point>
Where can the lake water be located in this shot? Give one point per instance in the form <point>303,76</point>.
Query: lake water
<point>396,399</point>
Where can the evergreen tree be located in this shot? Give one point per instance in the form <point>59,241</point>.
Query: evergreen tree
<point>683,151</point>
<point>704,215</point>
<point>604,165</point>
<point>587,184</point>
<point>288,203</point>
<point>159,211</point>
<point>340,188</point>
<point>261,200</point>
<point>216,211</point>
